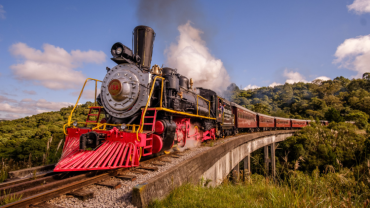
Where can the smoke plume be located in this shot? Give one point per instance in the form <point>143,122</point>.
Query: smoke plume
<point>191,57</point>
<point>166,14</point>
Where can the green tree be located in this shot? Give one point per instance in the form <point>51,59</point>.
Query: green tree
<point>360,118</point>
<point>333,115</point>
<point>287,94</point>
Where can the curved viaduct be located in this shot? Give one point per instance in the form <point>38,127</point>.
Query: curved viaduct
<point>214,164</point>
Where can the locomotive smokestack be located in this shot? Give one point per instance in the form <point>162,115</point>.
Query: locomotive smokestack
<point>143,44</point>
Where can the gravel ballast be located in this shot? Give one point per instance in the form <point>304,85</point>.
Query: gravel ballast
<point>121,197</point>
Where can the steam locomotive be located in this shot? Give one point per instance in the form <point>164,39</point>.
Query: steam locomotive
<point>147,110</point>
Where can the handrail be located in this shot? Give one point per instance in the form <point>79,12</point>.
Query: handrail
<point>147,103</point>
<point>161,93</point>
<point>70,116</point>
<point>209,105</point>
<point>182,113</point>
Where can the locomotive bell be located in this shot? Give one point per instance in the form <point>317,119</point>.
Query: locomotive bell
<point>156,70</point>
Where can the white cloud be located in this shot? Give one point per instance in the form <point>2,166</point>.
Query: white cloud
<point>54,67</point>
<point>87,94</point>
<point>2,12</point>
<point>9,116</point>
<point>192,58</point>
<point>323,78</point>
<point>4,99</point>
<point>29,106</point>
<point>293,77</point>
<point>251,87</point>
<point>30,92</point>
<point>360,6</point>
<point>354,54</point>
<point>274,84</point>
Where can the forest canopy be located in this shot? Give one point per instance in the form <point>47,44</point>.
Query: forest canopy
<point>334,100</point>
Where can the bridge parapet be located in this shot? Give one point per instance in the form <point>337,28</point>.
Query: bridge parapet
<point>214,164</point>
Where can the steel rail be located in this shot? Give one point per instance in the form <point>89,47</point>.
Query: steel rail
<point>48,191</point>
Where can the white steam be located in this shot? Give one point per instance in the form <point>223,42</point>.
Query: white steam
<point>191,57</point>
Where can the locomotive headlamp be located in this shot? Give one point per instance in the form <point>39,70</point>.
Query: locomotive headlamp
<point>123,126</point>
<point>119,51</point>
<point>74,123</point>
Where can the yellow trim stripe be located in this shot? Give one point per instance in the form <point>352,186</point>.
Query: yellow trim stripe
<point>182,113</point>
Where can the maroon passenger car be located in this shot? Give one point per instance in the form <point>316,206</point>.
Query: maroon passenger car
<point>282,122</point>
<point>244,118</point>
<point>297,123</point>
<point>265,121</point>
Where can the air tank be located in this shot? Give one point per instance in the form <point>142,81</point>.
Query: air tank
<point>184,82</point>
<point>172,78</point>
<point>143,44</point>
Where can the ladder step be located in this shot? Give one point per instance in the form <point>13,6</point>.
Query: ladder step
<point>148,123</point>
<point>148,117</point>
<point>92,114</point>
<point>147,147</point>
<point>95,107</point>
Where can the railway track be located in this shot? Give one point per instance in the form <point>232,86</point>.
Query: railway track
<point>35,192</point>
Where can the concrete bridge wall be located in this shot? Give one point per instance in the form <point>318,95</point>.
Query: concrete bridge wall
<point>222,167</point>
<point>213,164</point>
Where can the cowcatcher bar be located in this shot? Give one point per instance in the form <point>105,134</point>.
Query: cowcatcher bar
<point>119,150</point>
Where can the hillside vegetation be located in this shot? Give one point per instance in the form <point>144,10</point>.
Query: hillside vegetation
<point>335,100</point>
<point>37,139</point>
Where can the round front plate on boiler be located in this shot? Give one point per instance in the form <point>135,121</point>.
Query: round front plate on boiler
<point>121,91</point>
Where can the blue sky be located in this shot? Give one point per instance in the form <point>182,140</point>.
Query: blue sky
<point>48,47</point>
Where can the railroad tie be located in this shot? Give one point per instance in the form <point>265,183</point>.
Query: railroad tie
<point>139,171</point>
<point>165,160</point>
<point>158,163</point>
<point>126,177</point>
<point>82,194</point>
<point>148,168</point>
<point>110,184</point>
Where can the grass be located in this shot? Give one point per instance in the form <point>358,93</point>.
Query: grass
<point>9,198</point>
<point>7,165</point>
<point>298,191</point>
